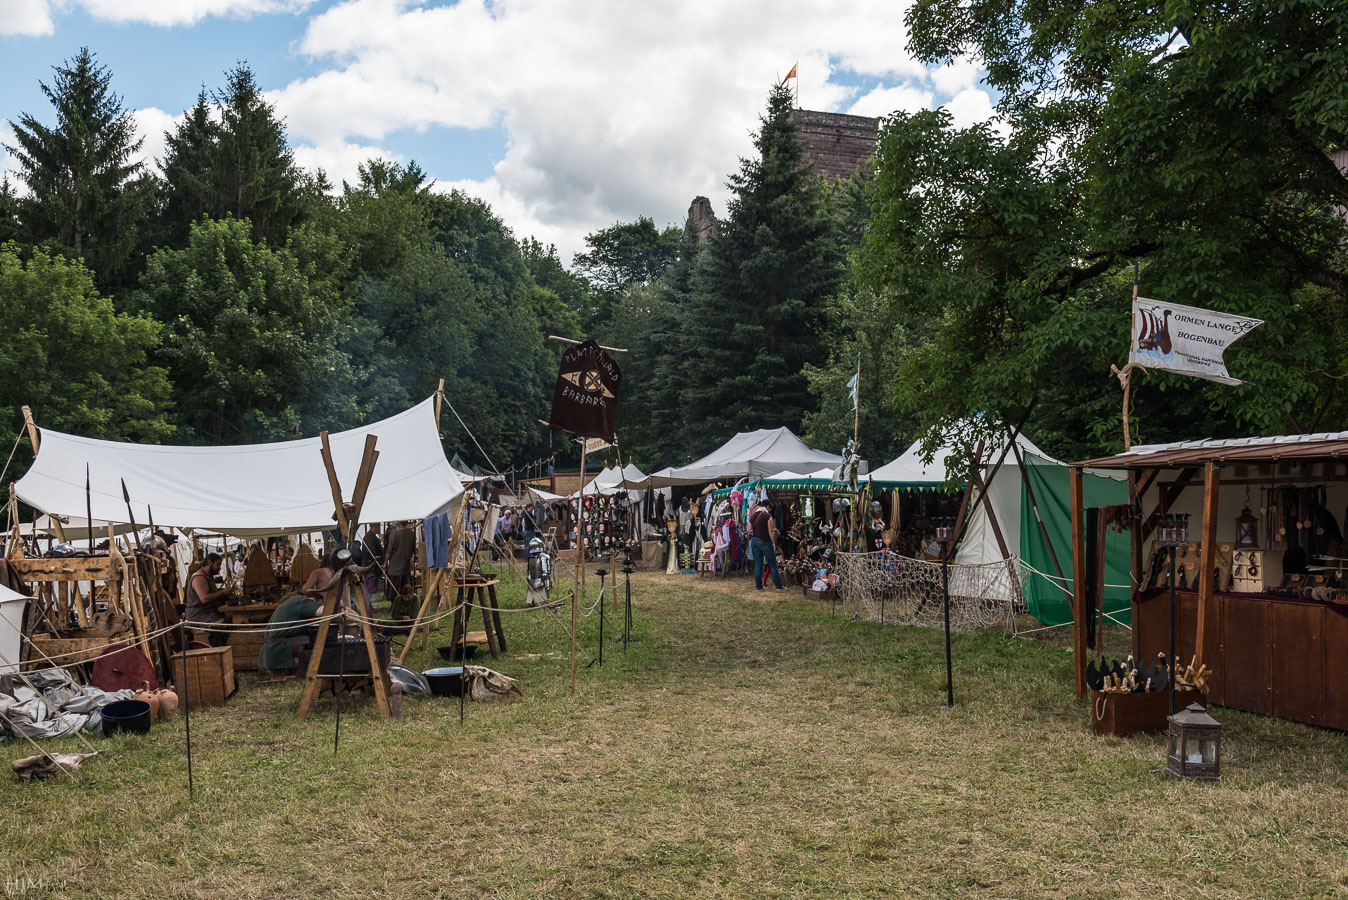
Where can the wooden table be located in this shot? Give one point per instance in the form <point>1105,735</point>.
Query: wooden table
<point>250,612</point>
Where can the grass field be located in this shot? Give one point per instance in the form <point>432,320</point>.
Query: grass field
<point>746,745</point>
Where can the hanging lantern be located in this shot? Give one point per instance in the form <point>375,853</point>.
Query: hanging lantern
<point>1172,529</point>
<point>1247,530</point>
<point>1195,746</point>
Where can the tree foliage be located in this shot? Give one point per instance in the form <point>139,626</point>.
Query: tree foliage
<point>249,337</point>
<point>756,311</point>
<point>80,171</point>
<point>1191,138</point>
<point>71,356</point>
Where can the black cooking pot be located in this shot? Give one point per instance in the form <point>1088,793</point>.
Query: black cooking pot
<point>454,651</point>
<point>446,681</point>
<point>126,715</point>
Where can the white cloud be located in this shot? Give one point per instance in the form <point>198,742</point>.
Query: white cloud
<point>27,17</point>
<point>613,109</point>
<point>341,161</point>
<point>885,100</point>
<point>8,166</point>
<point>970,107</point>
<point>956,77</point>
<point>151,125</point>
<point>34,17</point>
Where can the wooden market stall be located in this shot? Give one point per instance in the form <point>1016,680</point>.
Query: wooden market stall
<point>1262,585</point>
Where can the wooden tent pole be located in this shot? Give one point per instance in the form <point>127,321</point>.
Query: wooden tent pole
<point>1043,529</point>
<point>439,399</point>
<point>580,562</point>
<point>33,439</point>
<point>1207,557</point>
<point>962,521</point>
<point>977,480</point>
<point>1078,579</point>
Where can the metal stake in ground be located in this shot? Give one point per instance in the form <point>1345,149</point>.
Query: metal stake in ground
<point>601,573</point>
<point>187,709</point>
<point>945,534</point>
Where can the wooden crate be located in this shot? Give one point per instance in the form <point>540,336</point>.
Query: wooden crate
<point>246,647</point>
<point>208,675</point>
<point>825,596</point>
<point>1141,713</point>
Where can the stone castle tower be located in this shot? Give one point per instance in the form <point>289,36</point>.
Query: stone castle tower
<point>835,144</point>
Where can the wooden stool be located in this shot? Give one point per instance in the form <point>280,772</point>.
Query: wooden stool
<point>482,595</point>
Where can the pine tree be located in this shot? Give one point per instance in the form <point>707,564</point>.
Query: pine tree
<point>254,171</point>
<point>759,291</point>
<point>10,228</point>
<point>186,191</point>
<point>78,171</point>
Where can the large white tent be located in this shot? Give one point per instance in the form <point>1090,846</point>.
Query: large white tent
<point>12,606</point>
<point>613,479</point>
<point>763,452</point>
<point>250,490</point>
<point>910,471</point>
<point>1007,500</point>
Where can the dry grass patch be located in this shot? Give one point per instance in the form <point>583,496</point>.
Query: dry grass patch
<point>747,744</point>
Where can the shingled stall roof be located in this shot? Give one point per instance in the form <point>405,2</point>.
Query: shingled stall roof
<point>1325,445</point>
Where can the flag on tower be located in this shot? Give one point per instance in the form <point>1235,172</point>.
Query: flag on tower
<point>791,74</point>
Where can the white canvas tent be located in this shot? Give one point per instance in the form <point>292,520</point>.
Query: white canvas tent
<point>75,528</point>
<point>12,605</point>
<point>250,490</point>
<point>910,471</point>
<point>749,453</point>
<point>1006,500</point>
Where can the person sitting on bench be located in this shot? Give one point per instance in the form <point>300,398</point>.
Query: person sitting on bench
<point>204,599</point>
<point>285,638</point>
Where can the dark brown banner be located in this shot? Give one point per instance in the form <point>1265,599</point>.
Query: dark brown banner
<point>585,401</point>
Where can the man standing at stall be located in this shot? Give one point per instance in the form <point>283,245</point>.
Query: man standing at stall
<point>765,553</point>
<point>401,547</point>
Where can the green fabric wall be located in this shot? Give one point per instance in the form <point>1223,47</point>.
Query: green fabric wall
<point>1043,596</point>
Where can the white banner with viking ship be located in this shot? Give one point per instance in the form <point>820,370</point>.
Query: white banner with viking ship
<point>1185,339</point>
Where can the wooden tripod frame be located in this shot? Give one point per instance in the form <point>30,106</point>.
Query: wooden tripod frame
<point>347,516</point>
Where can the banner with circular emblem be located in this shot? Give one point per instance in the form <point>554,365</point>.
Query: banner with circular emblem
<point>585,400</point>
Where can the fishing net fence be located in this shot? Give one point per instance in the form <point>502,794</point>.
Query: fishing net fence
<point>895,590</point>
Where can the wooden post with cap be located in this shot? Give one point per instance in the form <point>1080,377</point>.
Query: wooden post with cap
<point>1078,578</point>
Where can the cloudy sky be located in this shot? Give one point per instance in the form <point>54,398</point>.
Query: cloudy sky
<point>565,115</point>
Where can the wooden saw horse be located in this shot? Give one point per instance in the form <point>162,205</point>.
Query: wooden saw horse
<point>346,582</point>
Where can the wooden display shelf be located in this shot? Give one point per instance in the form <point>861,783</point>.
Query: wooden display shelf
<point>83,648</point>
<point>1138,713</point>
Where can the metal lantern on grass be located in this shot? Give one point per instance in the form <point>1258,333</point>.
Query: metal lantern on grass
<point>1195,746</point>
<point>1247,530</point>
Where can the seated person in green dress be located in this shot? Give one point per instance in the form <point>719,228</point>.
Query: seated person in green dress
<point>287,630</point>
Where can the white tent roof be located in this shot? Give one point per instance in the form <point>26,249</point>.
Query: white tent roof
<point>249,490</point>
<point>608,481</point>
<point>75,528</point>
<point>762,452</point>
<point>540,494</point>
<point>909,468</point>
<point>12,605</point>
<point>634,478</point>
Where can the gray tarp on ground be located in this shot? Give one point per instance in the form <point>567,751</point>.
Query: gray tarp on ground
<point>76,706</point>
